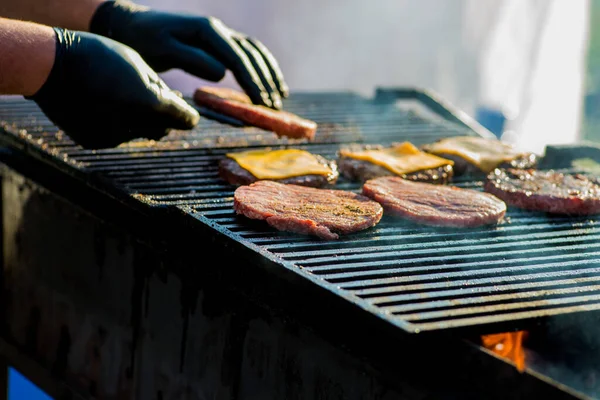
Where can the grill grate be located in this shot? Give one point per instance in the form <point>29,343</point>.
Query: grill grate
<point>418,278</point>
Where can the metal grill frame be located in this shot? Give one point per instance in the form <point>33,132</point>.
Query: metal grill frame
<point>233,246</point>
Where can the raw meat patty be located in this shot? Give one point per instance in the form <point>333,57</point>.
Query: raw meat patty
<point>325,213</point>
<point>438,205</point>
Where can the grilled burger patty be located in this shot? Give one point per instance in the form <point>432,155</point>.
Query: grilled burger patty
<point>235,174</point>
<point>549,191</point>
<point>478,156</point>
<point>464,167</point>
<point>363,170</point>
<point>237,105</point>
<point>437,205</point>
<point>360,170</point>
<point>325,213</point>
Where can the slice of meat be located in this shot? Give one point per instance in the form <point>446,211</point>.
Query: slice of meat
<point>239,106</point>
<point>548,191</point>
<point>437,205</point>
<point>235,174</point>
<point>325,213</point>
<point>363,170</point>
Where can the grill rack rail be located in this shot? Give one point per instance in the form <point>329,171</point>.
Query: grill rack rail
<point>421,279</point>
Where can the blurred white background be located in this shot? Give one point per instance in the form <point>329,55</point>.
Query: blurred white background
<point>523,59</point>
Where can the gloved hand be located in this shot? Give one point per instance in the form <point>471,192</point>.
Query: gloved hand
<point>101,93</point>
<point>201,46</point>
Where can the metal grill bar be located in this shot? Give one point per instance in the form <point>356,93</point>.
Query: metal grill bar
<point>418,278</point>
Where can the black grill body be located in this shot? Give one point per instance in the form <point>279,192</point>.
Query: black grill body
<point>157,215</point>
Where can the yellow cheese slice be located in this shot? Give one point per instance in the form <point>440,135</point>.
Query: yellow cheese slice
<point>486,154</point>
<point>400,159</point>
<point>279,164</point>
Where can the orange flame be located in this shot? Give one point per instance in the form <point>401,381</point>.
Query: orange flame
<point>508,345</point>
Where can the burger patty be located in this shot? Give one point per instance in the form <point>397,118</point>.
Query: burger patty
<point>239,106</point>
<point>486,148</point>
<point>436,205</point>
<point>363,170</point>
<point>324,213</point>
<point>231,171</point>
<point>548,191</point>
<point>463,167</point>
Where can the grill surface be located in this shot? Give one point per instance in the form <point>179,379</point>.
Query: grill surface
<point>418,278</point>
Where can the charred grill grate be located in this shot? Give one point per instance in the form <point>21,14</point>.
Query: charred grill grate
<point>419,278</point>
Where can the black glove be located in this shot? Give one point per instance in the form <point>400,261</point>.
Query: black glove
<point>201,46</point>
<point>101,93</point>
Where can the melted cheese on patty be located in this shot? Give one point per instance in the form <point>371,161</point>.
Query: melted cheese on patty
<point>484,153</point>
<point>400,159</point>
<point>280,164</point>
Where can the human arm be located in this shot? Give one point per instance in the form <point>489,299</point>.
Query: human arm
<point>100,92</point>
<point>18,41</point>
<point>68,14</point>
<point>202,46</point>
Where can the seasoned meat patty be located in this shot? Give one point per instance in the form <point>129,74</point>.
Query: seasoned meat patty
<point>239,106</point>
<point>438,205</point>
<point>235,174</point>
<point>363,170</point>
<point>549,191</point>
<point>325,213</point>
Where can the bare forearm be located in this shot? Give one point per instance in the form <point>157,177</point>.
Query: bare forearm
<point>69,14</point>
<point>27,52</point>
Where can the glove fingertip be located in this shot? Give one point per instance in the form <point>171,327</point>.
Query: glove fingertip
<point>216,72</point>
<point>186,116</point>
<point>264,99</point>
<point>276,100</point>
